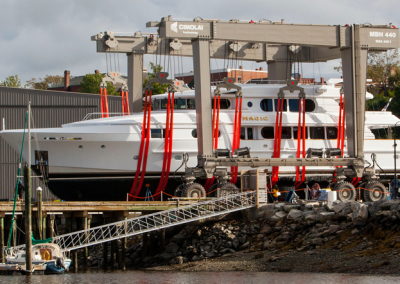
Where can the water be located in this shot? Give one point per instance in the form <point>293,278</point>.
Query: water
<point>199,278</point>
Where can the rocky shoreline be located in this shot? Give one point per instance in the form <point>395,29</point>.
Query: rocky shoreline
<point>345,237</point>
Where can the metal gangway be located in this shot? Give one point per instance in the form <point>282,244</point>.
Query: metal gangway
<point>151,222</point>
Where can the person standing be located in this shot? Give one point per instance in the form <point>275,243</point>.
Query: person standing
<point>21,190</point>
<point>394,185</point>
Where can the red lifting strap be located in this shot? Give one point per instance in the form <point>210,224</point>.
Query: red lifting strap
<point>127,103</point>
<point>341,125</point>
<point>123,101</point>
<point>105,103</point>
<point>102,101</point>
<point>277,141</point>
<point>167,145</point>
<point>144,143</point>
<point>301,128</point>
<point>210,181</point>
<point>234,139</point>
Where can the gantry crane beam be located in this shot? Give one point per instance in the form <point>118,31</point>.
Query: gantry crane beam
<point>353,42</point>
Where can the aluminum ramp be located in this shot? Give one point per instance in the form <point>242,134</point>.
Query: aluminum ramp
<point>152,222</point>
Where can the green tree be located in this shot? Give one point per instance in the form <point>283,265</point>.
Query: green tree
<point>157,89</point>
<point>379,68</point>
<point>43,84</point>
<point>91,84</point>
<point>11,81</point>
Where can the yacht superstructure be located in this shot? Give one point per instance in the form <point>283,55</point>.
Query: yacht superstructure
<point>96,159</point>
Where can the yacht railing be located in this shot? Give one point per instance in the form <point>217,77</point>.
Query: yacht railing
<point>96,115</point>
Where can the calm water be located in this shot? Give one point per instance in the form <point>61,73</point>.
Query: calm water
<point>199,278</point>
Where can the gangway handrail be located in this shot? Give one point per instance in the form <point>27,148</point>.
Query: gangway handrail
<point>151,222</point>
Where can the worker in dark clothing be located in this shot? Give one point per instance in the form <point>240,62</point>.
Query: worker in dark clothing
<point>394,185</point>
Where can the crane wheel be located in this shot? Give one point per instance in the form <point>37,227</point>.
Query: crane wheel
<point>375,191</point>
<point>228,189</point>
<point>345,191</point>
<point>193,190</point>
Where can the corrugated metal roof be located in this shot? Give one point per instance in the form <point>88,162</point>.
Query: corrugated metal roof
<point>49,109</point>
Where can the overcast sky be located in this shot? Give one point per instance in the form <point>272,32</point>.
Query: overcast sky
<point>47,37</point>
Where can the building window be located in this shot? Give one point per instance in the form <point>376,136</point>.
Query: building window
<point>239,79</point>
<point>317,133</point>
<point>294,105</point>
<point>267,132</point>
<point>266,105</point>
<point>284,105</point>
<point>301,133</point>
<point>332,132</point>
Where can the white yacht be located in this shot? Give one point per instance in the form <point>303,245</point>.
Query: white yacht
<point>96,159</point>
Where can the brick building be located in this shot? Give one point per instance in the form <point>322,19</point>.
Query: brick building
<point>241,75</point>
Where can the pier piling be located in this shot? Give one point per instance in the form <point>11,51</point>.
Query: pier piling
<point>2,215</point>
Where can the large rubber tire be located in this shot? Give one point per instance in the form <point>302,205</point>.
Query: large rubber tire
<point>345,191</point>
<point>228,189</point>
<point>194,190</point>
<point>375,191</point>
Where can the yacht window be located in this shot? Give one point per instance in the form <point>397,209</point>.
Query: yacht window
<point>266,105</point>
<point>249,133</point>
<point>242,133</point>
<point>317,133</point>
<point>180,103</point>
<point>301,133</point>
<point>284,105</point>
<point>164,103</point>
<point>156,104</point>
<point>294,105</point>
<point>246,133</point>
<point>267,132</point>
<point>249,104</point>
<point>223,104</point>
<point>332,132</point>
<point>286,133</point>
<point>191,104</point>
<point>155,133</point>
<point>194,133</point>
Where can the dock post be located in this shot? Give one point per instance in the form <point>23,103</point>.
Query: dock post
<point>74,252</point>
<point>14,229</point>
<point>28,219</point>
<point>112,260</point>
<point>44,226</point>
<point>2,214</point>
<point>105,254</point>
<point>105,246</point>
<point>85,249</point>
<point>123,244</point>
<point>75,260</point>
<point>51,225</point>
<point>39,196</point>
<point>163,236</point>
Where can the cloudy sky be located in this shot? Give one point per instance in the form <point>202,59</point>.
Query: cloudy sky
<point>47,37</point>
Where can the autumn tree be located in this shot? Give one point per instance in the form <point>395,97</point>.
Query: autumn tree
<point>43,84</point>
<point>11,81</point>
<point>91,84</point>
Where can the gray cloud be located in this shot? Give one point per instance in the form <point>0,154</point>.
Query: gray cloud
<point>47,37</point>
